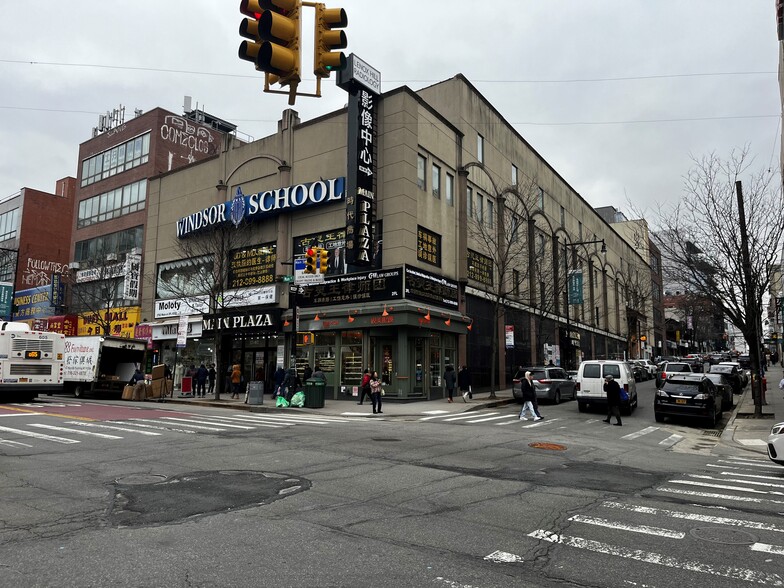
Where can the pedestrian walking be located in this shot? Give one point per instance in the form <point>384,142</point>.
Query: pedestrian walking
<point>280,375</point>
<point>613,391</point>
<point>290,384</point>
<point>464,382</point>
<point>529,395</point>
<point>450,381</point>
<point>236,380</point>
<point>376,392</point>
<point>520,375</point>
<point>364,387</point>
<point>201,381</point>
<point>212,373</point>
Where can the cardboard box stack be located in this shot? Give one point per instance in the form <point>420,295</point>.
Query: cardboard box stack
<point>160,385</point>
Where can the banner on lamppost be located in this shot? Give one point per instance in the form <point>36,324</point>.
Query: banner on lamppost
<point>575,286</point>
<point>509,332</point>
<point>6,299</point>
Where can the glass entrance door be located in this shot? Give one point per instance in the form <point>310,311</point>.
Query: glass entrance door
<point>420,358</point>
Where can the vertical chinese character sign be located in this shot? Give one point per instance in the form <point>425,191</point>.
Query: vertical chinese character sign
<point>133,263</point>
<point>363,83</point>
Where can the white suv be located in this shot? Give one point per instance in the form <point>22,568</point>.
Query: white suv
<point>590,383</point>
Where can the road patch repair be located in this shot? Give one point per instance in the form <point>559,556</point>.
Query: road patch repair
<point>154,499</point>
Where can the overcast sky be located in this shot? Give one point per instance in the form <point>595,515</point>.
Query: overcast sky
<point>615,94</point>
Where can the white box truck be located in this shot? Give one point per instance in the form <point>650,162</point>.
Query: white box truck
<point>100,364</point>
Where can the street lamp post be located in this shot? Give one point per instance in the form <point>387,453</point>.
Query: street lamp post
<point>570,247</point>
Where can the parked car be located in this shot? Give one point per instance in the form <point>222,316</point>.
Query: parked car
<point>745,374</point>
<point>724,385</point>
<point>590,383</point>
<point>776,444</point>
<point>551,383</point>
<point>733,373</point>
<point>671,367</point>
<point>649,366</point>
<point>696,362</point>
<point>719,357</point>
<point>745,361</point>
<point>640,373</point>
<point>690,395</point>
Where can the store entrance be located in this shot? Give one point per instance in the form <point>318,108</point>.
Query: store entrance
<point>258,359</point>
<point>420,360</point>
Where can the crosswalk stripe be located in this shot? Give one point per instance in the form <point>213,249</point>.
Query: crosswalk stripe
<point>464,417</point>
<point>110,427</point>
<point>645,431</point>
<point>724,487</point>
<point>158,427</point>
<point>541,423</point>
<point>693,517</point>
<point>13,443</point>
<point>256,423</point>
<point>752,476</point>
<point>445,416</point>
<point>671,440</point>
<point>301,419</point>
<point>765,466</point>
<point>21,414</point>
<point>209,422</point>
<point>717,495</point>
<point>645,529</point>
<point>765,548</point>
<point>699,477</point>
<point>731,572</point>
<point>39,436</point>
<point>187,423</point>
<point>77,431</point>
<point>494,418</point>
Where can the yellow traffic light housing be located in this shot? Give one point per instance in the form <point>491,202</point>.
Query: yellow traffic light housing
<point>274,47</point>
<point>310,261</point>
<point>328,39</point>
<point>323,260</point>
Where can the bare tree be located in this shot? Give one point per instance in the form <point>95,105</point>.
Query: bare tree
<point>499,252</point>
<point>96,288</point>
<point>701,240</point>
<point>204,272</point>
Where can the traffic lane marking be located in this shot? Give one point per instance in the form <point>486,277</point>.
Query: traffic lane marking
<point>111,428</point>
<point>650,557</point>
<point>77,431</point>
<point>645,529</point>
<point>41,436</point>
<point>717,495</point>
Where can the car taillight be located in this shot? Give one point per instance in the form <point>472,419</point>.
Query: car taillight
<point>577,387</point>
<point>544,381</point>
<point>664,375</point>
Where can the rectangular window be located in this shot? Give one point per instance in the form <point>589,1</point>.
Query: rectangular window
<point>449,189</point>
<point>580,230</point>
<point>421,166</point>
<point>514,175</point>
<point>563,216</point>
<point>480,209</point>
<point>469,202</point>
<point>436,181</point>
<point>112,204</point>
<point>515,235</point>
<point>541,198</point>
<point>116,159</point>
<point>516,282</point>
<point>490,213</point>
<point>480,148</point>
<point>9,224</point>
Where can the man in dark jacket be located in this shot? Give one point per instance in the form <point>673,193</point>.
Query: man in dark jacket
<point>464,382</point>
<point>280,375</point>
<point>613,391</point>
<point>201,381</point>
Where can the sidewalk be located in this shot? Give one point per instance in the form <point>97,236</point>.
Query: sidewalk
<point>743,430</point>
<point>333,408</point>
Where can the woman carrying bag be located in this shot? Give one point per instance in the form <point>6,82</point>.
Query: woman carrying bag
<point>375,393</point>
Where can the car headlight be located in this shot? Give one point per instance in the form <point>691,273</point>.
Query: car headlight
<point>702,397</point>
<point>662,394</point>
<point>777,429</point>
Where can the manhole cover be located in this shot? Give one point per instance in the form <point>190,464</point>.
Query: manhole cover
<point>723,536</point>
<point>383,440</point>
<point>136,479</point>
<point>550,446</point>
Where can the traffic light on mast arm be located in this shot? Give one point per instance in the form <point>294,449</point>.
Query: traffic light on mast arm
<point>310,261</point>
<point>323,260</point>
<point>274,32</point>
<point>327,39</point>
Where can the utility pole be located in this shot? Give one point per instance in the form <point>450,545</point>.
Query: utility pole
<point>752,310</point>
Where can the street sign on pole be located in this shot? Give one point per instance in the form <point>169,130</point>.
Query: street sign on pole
<point>305,279</point>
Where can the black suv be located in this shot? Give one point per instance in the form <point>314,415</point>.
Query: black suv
<point>691,395</point>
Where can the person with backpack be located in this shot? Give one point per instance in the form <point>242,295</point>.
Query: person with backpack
<point>613,391</point>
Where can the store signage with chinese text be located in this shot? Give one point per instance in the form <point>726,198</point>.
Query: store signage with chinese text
<point>430,288</point>
<point>355,288</point>
<point>252,266</point>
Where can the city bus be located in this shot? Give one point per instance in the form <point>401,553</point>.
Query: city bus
<point>31,362</point>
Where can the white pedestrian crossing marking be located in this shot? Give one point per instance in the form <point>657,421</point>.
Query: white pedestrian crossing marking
<point>187,423</point>
<point>645,529</point>
<point>39,436</point>
<point>717,495</point>
<point>111,428</point>
<point>671,440</point>
<point>751,442</point>
<point>77,431</point>
<point>645,431</point>
<point>493,418</point>
<point>541,423</point>
<point>13,443</point>
<point>158,427</point>
<point>731,572</point>
<point>765,548</point>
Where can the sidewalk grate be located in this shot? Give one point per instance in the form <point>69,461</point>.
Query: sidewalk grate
<point>712,433</point>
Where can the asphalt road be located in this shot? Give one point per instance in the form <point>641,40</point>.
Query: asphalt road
<point>204,497</point>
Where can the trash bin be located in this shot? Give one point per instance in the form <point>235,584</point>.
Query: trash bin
<point>314,393</point>
<point>255,393</point>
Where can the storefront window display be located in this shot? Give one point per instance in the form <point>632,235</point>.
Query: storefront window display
<point>351,358</point>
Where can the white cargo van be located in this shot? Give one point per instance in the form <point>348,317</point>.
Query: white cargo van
<point>590,383</point>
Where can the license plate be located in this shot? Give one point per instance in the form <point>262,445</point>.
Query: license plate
<point>680,401</point>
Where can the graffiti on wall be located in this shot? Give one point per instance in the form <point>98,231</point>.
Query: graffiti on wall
<point>38,272</point>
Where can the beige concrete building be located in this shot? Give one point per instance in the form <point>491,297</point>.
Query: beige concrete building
<point>473,235</point>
